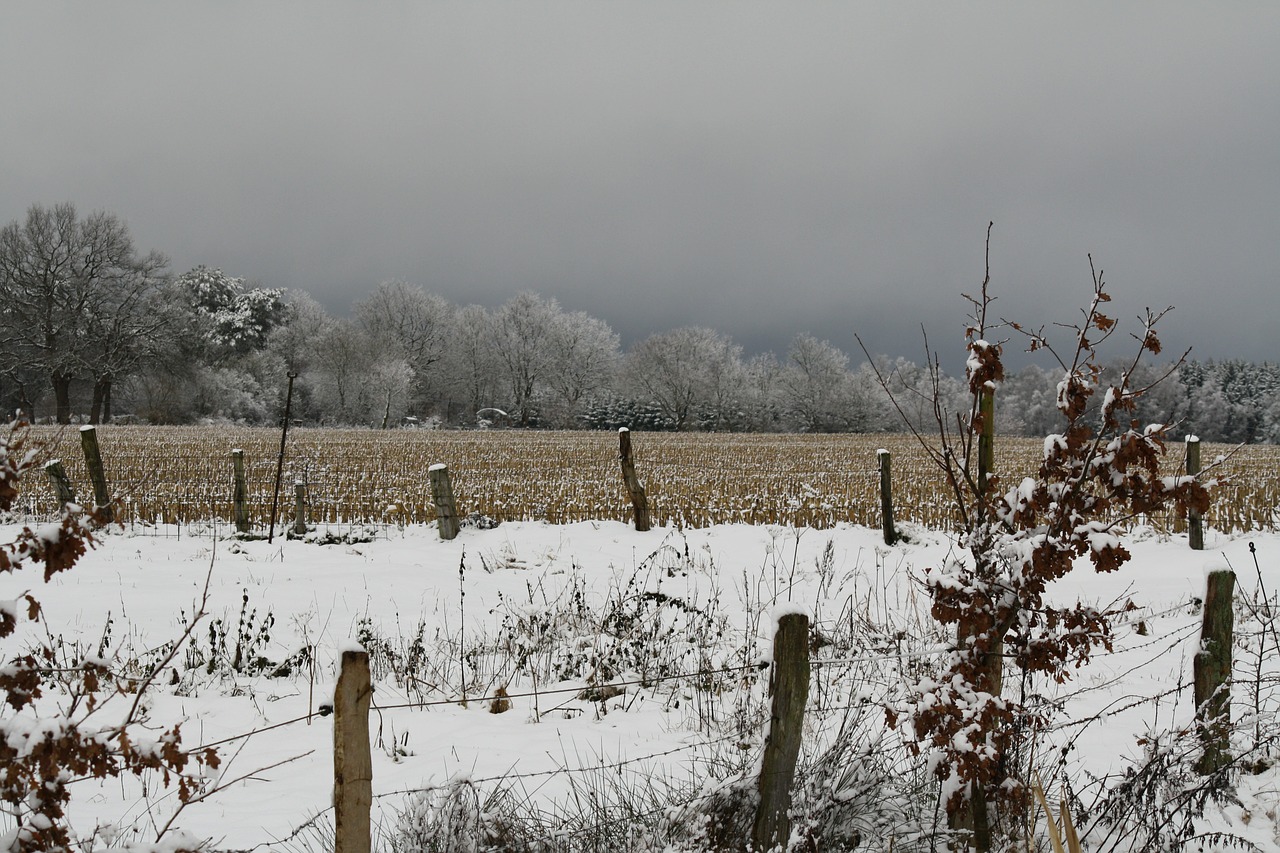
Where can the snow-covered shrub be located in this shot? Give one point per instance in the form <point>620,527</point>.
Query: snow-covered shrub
<point>1099,471</point>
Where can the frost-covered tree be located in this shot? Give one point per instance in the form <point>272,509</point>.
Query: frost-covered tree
<point>759,394</point>
<point>231,317</point>
<point>817,389</point>
<point>388,388</point>
<point>414,327</point>
<point>230,360</point>
<point>341,363</point>
<point>1027,402</point>
<point>691,373</point>
<point>471,363</point>
<point>76,298</point>
<point>521,333</point>
<point>583,356</point>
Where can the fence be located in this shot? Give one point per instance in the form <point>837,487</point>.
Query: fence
<point>185,475</point>
<point>789,684</point>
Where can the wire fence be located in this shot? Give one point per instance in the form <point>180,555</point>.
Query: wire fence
<point>183,475</point>
<point>1144,653</point>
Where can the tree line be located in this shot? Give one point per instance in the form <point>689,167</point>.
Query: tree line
<point>93,330</point>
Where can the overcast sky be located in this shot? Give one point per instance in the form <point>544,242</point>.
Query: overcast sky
<point>764,169</point>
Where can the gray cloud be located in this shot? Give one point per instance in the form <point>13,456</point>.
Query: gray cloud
<point>762,169</point>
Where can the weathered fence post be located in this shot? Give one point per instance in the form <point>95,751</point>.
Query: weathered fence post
<point>299,508</point>
<point>352,759</point>
<point>1195,526</point>
<point>789,684</point>
<point>886,499</point>
<point>987,438</point>
<point>1212,670</point>
<point>442,496</point>
<point>635,491</point>
<point>61,484</point>
<point>240,496</point>
<point>97,475</point>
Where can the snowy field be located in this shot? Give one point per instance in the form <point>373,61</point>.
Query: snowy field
<point>545,610</point>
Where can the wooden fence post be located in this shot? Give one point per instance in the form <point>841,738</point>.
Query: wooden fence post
<point>97,475</point>
<point>442,496</point>
<point>789,684</point>
<point>352,759</point>
<point>299,508</point>
<point>886,499</point>
<point>987,438</point>
<point>61,484</point>
<point>1195,526</point>
<point>969,819</point>
<point>239,497</point>
<point>1212,670</point>
<point>635,491</point>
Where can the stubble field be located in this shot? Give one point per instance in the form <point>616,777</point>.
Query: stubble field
<point>360,476</point>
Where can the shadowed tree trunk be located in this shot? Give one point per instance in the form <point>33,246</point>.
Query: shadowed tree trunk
<point>100,408</point>
<point>62,396</point>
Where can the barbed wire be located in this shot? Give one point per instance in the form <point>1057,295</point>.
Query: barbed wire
<point>325,710</point>
<point>533,694</point>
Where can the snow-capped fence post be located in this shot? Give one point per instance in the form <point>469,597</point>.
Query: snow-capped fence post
<point>1212,670</point>
<point>1195,526</point>
<point>240,495</point>
<point>352,759</point>
<point>789,685</point>
<point>299,508</point>
<point>886,498</point>
<point>442,496</point>
<point>97,475</point>
<point>635,491</point>
<point>60,482</point>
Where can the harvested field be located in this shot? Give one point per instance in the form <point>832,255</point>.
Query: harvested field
<point>184,474</point>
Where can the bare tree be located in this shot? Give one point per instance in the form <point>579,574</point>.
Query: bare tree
<point>522,329</point>
<point>759,393</point>
<point>75,293</point>
<point>341,362</point>
<point>471,362</point>
<point>691,373</point>
<point>817,388</point>
<point>416,324</point>
<point>583,357</point>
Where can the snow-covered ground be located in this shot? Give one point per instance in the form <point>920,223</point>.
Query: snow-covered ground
<point>528,592</point>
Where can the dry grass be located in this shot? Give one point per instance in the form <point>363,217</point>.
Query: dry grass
<point>183,474</point>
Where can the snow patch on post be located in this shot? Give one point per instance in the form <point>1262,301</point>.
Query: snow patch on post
<point>351,645</point>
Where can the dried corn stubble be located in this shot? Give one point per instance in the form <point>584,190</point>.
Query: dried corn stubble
<point>183,474</point>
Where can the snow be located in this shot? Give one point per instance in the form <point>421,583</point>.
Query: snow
<point>343,597</point>
<point>1215,563</point>
<point>789,608</point>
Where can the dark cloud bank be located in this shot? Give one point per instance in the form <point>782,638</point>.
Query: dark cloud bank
<point>761,169</point>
